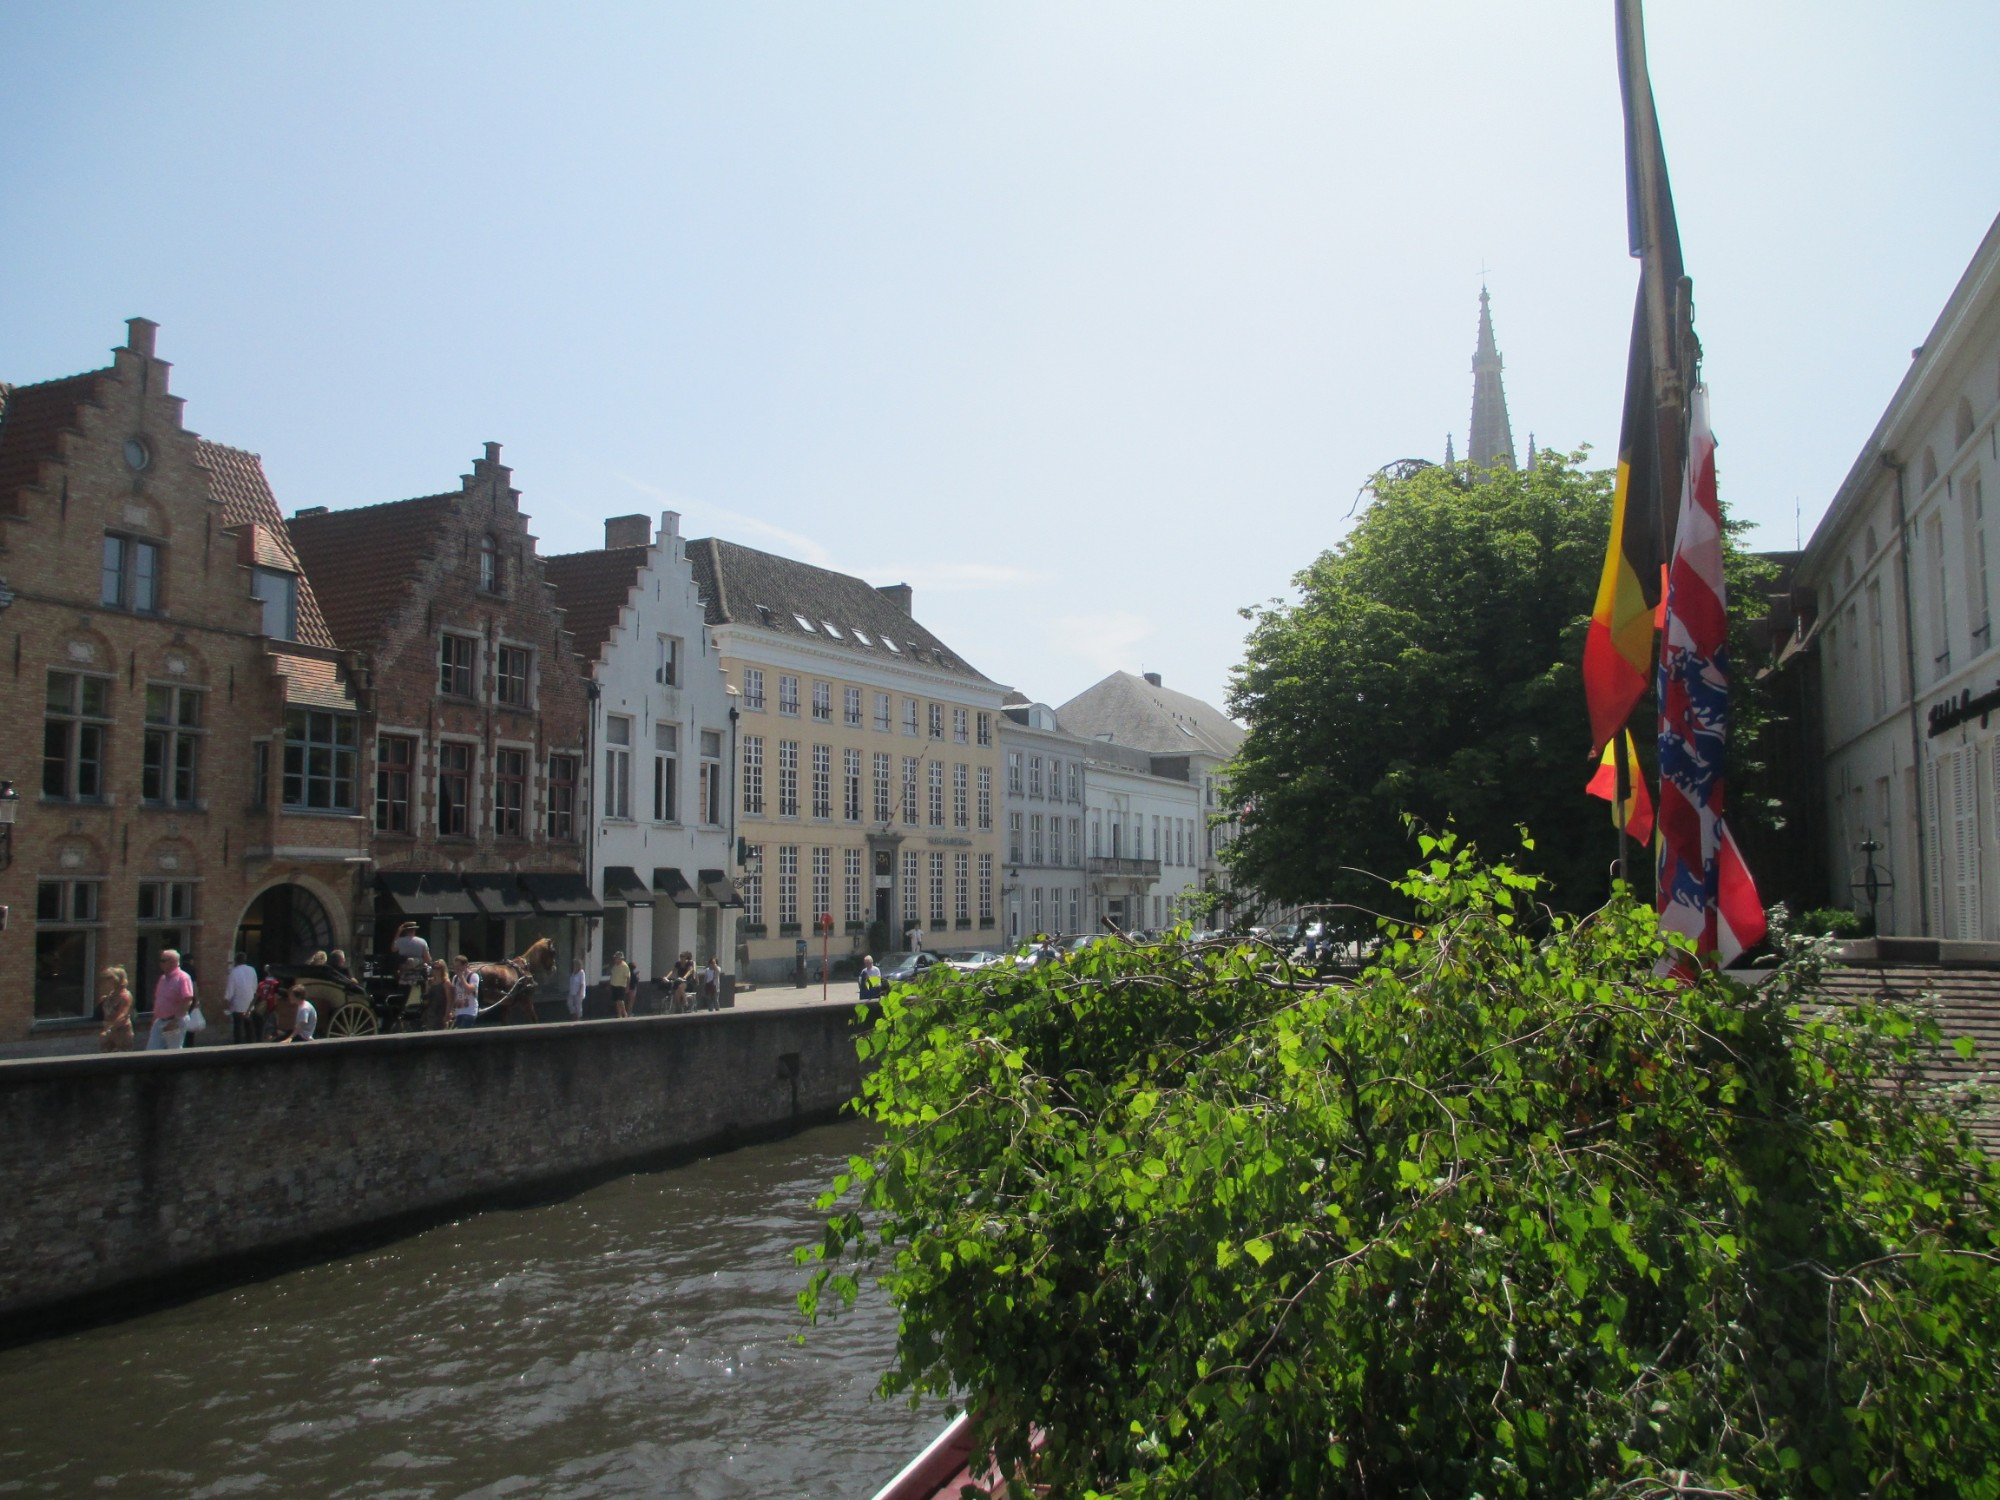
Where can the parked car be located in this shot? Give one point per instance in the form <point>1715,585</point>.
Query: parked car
<point>971,962</point>
<point>909,967</point>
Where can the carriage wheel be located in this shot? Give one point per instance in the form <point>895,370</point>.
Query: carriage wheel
<point>355,1018</point>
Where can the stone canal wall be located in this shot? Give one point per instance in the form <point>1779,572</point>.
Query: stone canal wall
<point>120,1174</point>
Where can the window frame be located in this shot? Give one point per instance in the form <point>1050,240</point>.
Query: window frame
<point>618,769</point>
<point>388,771</point>
<point>451,672</point>
<point>562,774</point>
<point>510,792</point>
<point>514,690</point>
<point>454,769</point>
<point>80,728</point>
<point>126,593</point>
<point>299,756</point>
<point>177,765</point>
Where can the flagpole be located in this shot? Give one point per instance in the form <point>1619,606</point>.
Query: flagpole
<point>1623,788</point>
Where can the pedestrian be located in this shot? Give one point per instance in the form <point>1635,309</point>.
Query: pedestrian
<point>173,998</point>
<point>269,993</point>
<point>302,1018</point>
<point>114,1000</point>
<point>871,977</point>
<point>711,984</point>
<point>678,979</point>
<point>239,998</point>
<point>917,938</point>
<point>579,984</point>
<point>465,990</point>
<point>621,985</point>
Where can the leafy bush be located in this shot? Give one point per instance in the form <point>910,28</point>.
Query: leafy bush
<point>1508,1217</point>
<point>1831,921</point>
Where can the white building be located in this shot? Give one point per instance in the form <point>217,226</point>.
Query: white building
<point>1042,784</point>
<point>1143,822</point>
<point>1900,579</point>
<point>662,724</point>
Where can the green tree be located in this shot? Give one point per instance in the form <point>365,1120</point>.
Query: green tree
<point>1432,667</point>
<point>1509,1217</point>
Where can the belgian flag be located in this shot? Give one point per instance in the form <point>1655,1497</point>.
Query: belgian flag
<point>1618,652</point>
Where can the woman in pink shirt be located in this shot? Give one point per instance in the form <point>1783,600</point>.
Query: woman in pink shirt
<point>173,997</point>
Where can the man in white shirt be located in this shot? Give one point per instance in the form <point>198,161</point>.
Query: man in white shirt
<point>239,995</point>
<point>871,977</point>
<point>579,983</point>
<point>304,1018</point>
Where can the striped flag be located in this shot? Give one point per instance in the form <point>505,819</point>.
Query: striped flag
<point>1636,815</point>
<point>1705,889</point>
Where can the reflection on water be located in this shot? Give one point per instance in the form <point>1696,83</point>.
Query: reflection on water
<point>633,1340</point>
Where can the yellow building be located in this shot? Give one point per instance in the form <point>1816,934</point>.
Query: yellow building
<point>868,767</point>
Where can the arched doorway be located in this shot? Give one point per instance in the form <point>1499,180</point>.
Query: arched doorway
<point>285,924</point>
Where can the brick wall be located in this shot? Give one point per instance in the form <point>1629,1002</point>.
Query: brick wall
<point>124,1169</point>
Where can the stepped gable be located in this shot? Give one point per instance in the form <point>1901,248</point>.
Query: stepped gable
<point>742,586</point>
<point>591,588</point>
<point>364,562</point>
<point>1966,1003</point>
<point>236,480</point>
<point>1141,713</point>
<point>33,419</point>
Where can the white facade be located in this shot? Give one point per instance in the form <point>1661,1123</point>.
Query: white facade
<point>1144,839</point>
<point>1043,776</point>
<point>1904,573</point>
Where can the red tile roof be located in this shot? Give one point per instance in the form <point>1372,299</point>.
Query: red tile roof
<point>236,480</point>
<point>33,419</point>
<point>591,588</point>
<point>313,682</point>
<point>364,562</point>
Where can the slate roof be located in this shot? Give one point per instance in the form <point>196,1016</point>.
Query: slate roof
<point>1966,1002</point>
<point>591,588</point>
<point>736,580</point>
<point>33,419</point>
<point>236,480</point>
<point>1131,711</point>
<point>364,562</point>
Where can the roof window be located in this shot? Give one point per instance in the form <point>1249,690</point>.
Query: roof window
<point>805,624</point>
<point>893,647</point>
<point>860,635</point>
<point>832,630</point>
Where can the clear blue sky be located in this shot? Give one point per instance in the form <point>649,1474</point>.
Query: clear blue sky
<point>1086,320</point>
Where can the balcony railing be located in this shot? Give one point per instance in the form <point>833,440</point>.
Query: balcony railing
<point>1115,865</point>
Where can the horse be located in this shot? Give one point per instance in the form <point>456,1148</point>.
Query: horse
<point>511,982</point>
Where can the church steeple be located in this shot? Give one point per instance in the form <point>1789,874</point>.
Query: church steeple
<point>1492,442</point>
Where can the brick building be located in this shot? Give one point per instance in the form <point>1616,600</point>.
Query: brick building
<point>473,716</point>
<point>195,724</point>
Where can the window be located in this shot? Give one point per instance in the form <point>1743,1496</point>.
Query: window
<point>173,746</point>
<point>894,649</point>
<point>1055,779</point>
<point>666,772</point>
<point>753,775</point>
<point>260,773</point>
<point>985,729</point>
<point>753,885</point>
<point>1013,773</point>
<point>454,803</point>
<point>851,876</point>
<point>958,722</point>
<point>1013,838</point>
<point>165,920</point>
<point>319,760</point>
<point>1034,838</point>
<point>961,811</point>
<point>910,764</point>
<point>937,793</point>
<point>1096,836</point>
<point>884,709</point>
<point>562,796</point>
<point>1034,776</point>
<point>937,721</point>
<point>1075,782</point>
<point>883,809</point>
<point>753,689</point>
<point>822,781</point>
<point>510,793</point>
<point>1075,841</point>
<point>937,888</point>
<point>1978,589</point>
<point>788,887</point>
<point>832,629</point>
<point>395,761</point>
<point>850,707</point>
<point>489,564</point>
<point>788,778</point>
<point>66,921</point>
<point>961,889</point>
<point>279,592</point>
<point>985,796</point>
<point>75,725</point>
<point>1940,600</point>
<point>668,671</point>
<point>1075,915</point>
<point>910,716</point>
<point>913,915</point>
<point>1035,910</point>
<point>131,574</point>
<point>985,890</point>
<point>788,695</point>
<point>806,625</point>
<point>850,785</point>
<point>823,702</point>
<point>166,901</point>
<point>515,665</point>
<point>822,885</point>
<point>455,656</point>
<point>617,767</point>
<point>711,777</point>
<point>860,635</point>
<point>1055,840</point>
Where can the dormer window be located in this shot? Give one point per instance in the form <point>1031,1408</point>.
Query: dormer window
<point>279,592</point>
<point>489,564</point>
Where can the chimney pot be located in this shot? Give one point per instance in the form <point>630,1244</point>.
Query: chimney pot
<point>1154,678</point>
<point>139,336</point>
<point>900,595</point>
<point>493,453</point>
<point>628,531</point>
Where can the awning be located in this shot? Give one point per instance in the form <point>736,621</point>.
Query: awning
<point>499,895</point>
<point>623,885</point>
<point>716,887</point>
<point>670,882</point>
<point>562,895</point>
<point>426,894</point>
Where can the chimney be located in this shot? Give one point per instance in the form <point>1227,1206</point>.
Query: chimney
<point>628,531</point>
<point>899,595</point>
<point>1154,678</point>
<point>139,336</point>
<point>309,510</point>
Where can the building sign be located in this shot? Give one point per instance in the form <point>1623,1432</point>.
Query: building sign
<point>1952,712</point>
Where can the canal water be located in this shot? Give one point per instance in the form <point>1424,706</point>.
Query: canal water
<point>636,1339</point>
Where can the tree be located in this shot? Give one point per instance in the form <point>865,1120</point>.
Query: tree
<point>1432,667</point>
<point>1510,1217</point>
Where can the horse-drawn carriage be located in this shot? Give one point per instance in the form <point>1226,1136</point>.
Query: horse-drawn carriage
<point>351,1007</point>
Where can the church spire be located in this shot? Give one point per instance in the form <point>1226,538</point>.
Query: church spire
<point>1492,443</point>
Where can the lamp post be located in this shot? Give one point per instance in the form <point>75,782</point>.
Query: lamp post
<point>10,809</point>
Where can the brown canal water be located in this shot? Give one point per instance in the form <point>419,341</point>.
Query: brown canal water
<point>636,1339</point>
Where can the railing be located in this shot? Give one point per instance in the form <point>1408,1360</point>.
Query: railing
<point>1117,865</point>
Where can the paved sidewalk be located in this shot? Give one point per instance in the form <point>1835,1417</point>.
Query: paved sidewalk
<point>845,992</point>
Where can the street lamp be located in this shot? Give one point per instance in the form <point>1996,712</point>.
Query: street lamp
<point>10,809</point>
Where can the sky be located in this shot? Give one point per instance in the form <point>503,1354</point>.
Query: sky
<point>1087,321</point>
